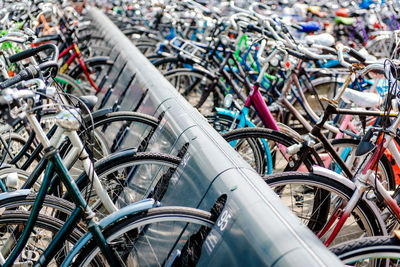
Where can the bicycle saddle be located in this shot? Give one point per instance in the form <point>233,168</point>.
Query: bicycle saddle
<point>89,100</point>
<point>362,99</point>
<point>316,10</point>
<point>310,26</point>
<point>342,12</point>
<point>324,39</point>
<point>344,20</point>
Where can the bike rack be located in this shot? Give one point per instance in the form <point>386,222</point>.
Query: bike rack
<point>255,228</point>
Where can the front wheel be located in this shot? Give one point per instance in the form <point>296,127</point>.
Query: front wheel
<point>316,200</point>
<point>266,150</point>
<point>153,238</point>
<point>198,87</point>
<point>369,251</point>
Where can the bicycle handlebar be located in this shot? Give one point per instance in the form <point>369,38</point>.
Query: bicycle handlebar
<point>33,51</point>
<point>354,53</point>
<point>9,97</point>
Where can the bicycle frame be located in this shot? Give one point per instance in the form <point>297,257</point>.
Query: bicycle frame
<point>365,178</point>
<point>82,210</point>
<point>77,54</point>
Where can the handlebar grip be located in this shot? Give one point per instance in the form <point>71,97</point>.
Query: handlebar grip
<point>255,28</point>
<point>10,82</point>
<point>297,54</point>
<point>252,27</point>
<point>26,74</point>
<point>357,55</point>
<point>24,54</point>
<point>33,51</point>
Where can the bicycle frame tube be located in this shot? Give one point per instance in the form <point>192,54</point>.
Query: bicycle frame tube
<point>77,54</point>
<point>255,98</point>
<point>55,162</point>
<point>366,176</point>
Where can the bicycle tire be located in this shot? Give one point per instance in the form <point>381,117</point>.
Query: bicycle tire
<point>12,220</point>
<point>195,88</point>
<point>111,135</point>
<point>95,68</point>
<point>146,222</point>
<point>70,85</point>
<point>385,171</point>
<point>51,204</point>
<point>253,138</point>
<point>166,64</point>
<point>316,193</point>
<point>324,86</point>
<point>130,176</point>
<point>116,120</point>
<point>376,251</point>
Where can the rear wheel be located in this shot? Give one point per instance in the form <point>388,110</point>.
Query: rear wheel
<point>369,251</point>
<point>265,150</point>
<point>198,87</point>
<point>154,238</point>
<point>129,177</point>
<point>11,225</point>
<point>318,201</point>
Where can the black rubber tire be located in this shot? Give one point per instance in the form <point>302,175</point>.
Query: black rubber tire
<point>58,204</point>
<point>50,224</point>
<point>128,228</point>
<point>322,190</point>
<point>382,249</point>
<point>251,136</point>
<point>114,169</point>
<point>95,68</point>
<point>119,119</point>
<point>197,90</point>
<point>384,163</point>
<point>71,86</point>
<point>170,63</point>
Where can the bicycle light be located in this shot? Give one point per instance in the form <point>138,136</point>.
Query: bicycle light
<point>12,180</point>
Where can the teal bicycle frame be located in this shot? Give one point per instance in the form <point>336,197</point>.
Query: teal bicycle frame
<point>82,210</point>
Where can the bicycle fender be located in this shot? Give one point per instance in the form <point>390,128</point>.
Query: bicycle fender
<point>20,192</point>
<point>110,219</point>
<point>91,60</point>
<point>341,179</point>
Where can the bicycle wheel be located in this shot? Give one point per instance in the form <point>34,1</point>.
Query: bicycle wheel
<point>95,66</point>
<point>265,150</point>
<point>153,237</point>
<point>171,63</point>
<point>315,199</point>
<point>198,87</point>
<point>70,85</point>
<point>147,48</point>
<point>382,47</point>
<point>115,131</point>
<point>129,177</point>
<point>122,129</point>
<point>11,224</point>
<point>369,251</point>
<point>13,145</point>
<point>325,87</point>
